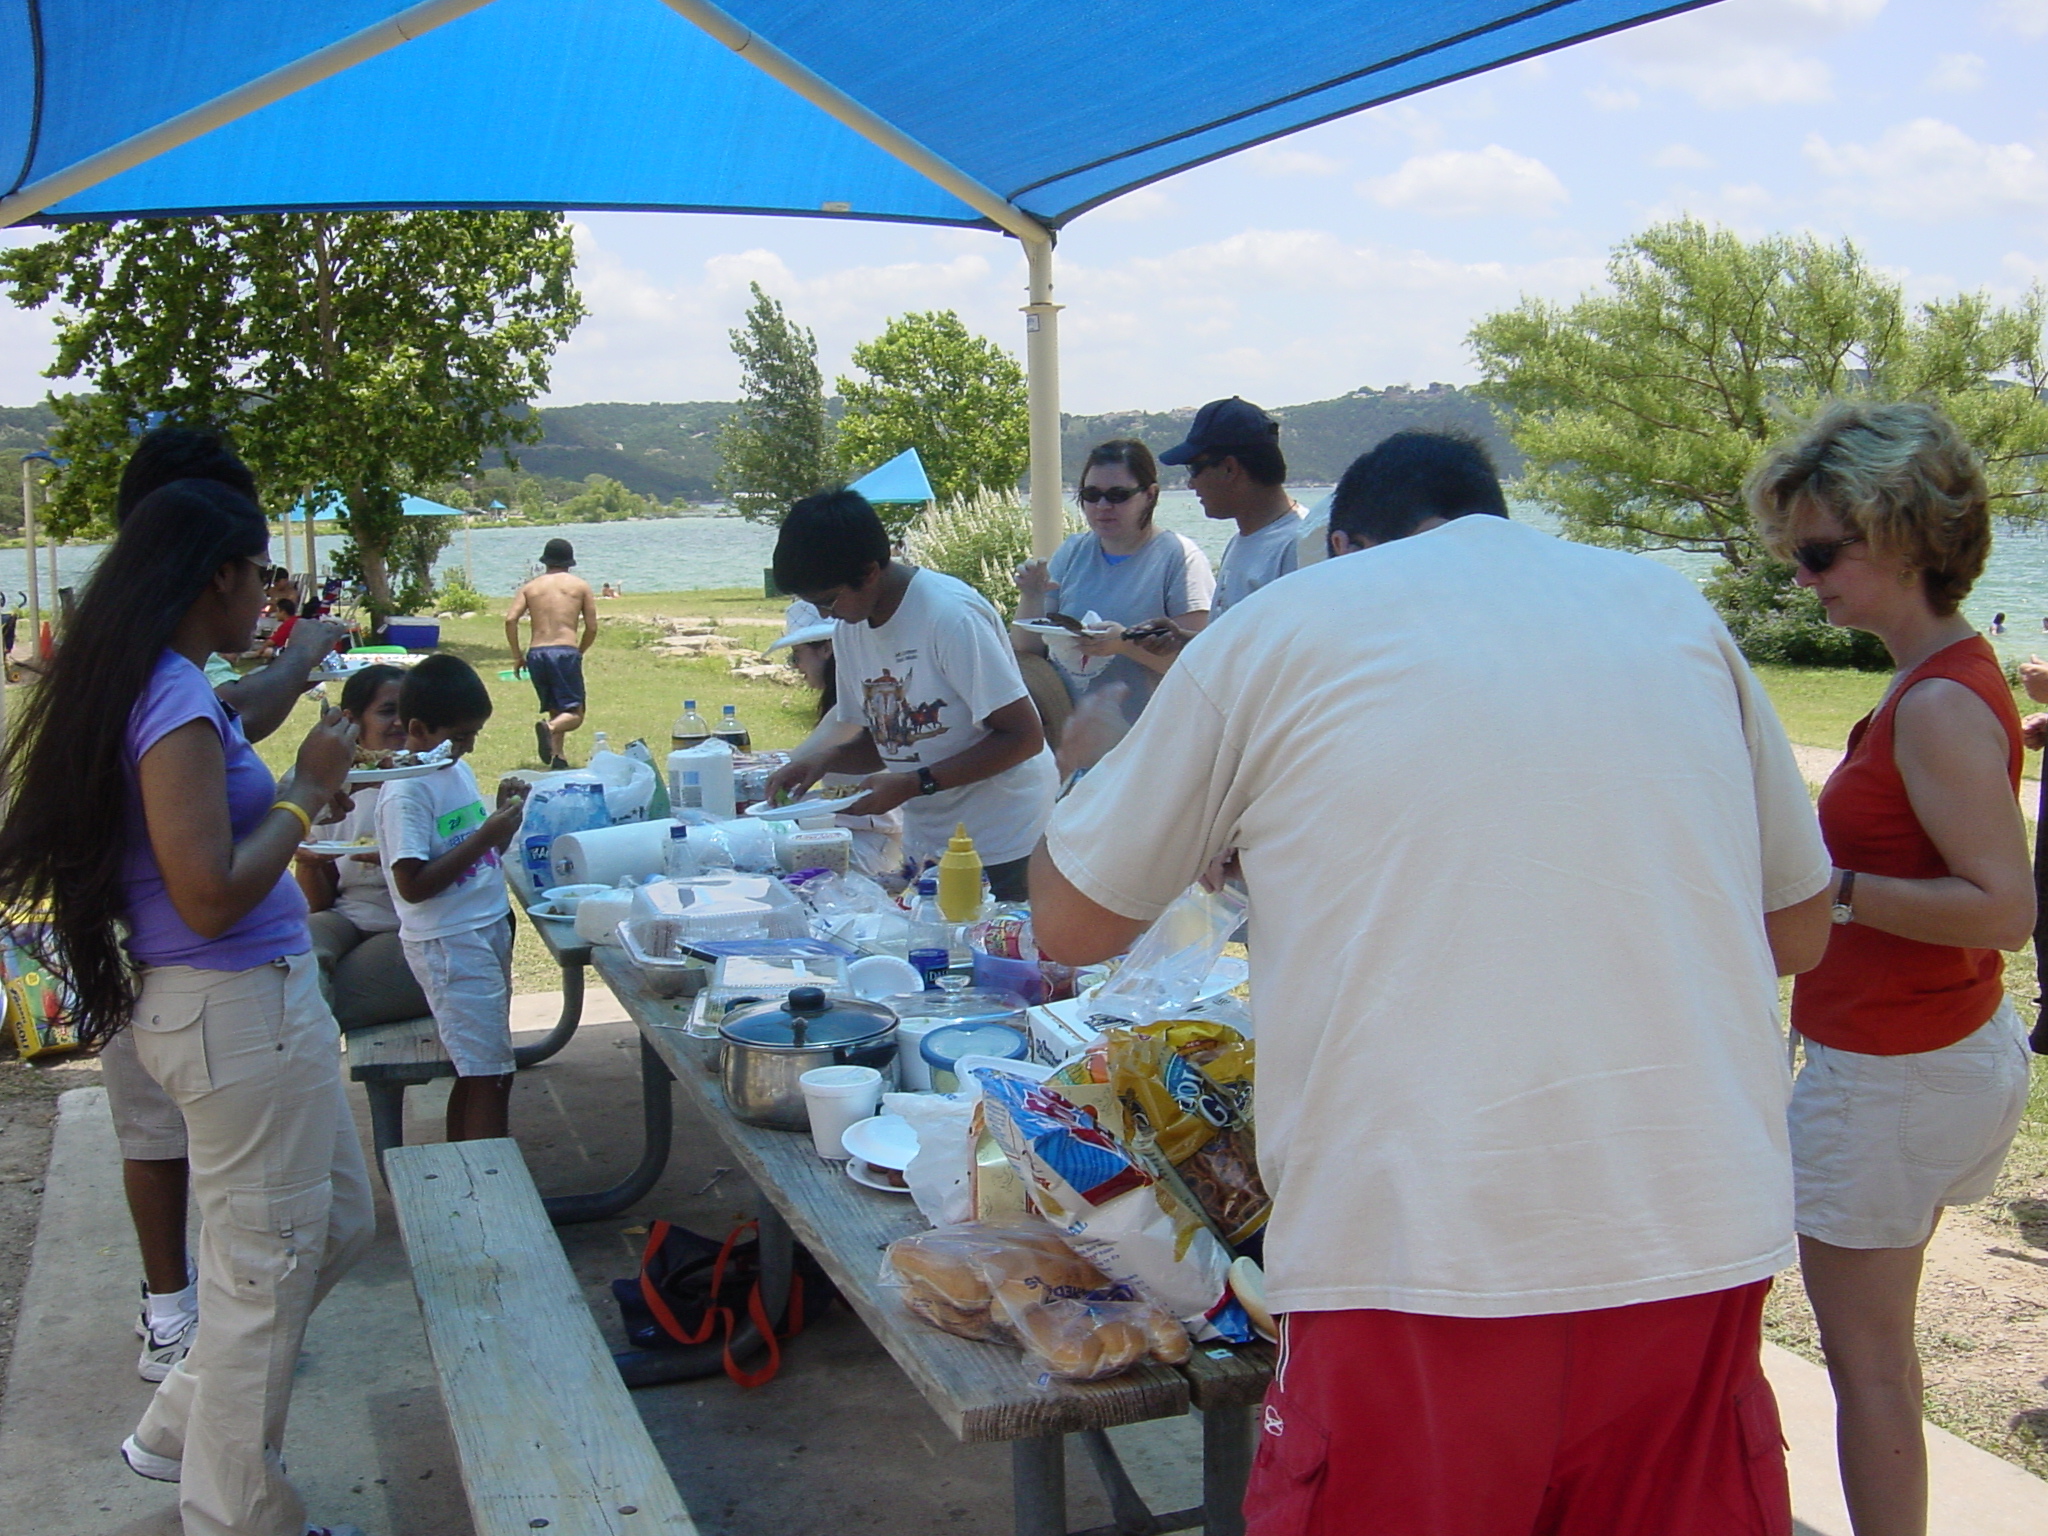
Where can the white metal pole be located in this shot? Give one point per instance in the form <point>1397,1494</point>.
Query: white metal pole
<point>28,546</point>
<point>380,37</point>
<point>1042,380</point>
<point>312,550</point>
<point>56,601</point>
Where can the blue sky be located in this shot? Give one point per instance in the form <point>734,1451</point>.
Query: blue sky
<point>1361,252</point>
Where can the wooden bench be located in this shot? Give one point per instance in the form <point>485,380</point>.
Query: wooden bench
<point>387,1059</point>
<point>546,1431</point>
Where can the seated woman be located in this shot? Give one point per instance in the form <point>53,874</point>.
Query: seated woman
<point>363,969</point>
<point>1125,568</point>
<point>877,840</point>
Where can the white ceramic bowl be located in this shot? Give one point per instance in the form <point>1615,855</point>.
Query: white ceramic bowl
<point>568,897</point>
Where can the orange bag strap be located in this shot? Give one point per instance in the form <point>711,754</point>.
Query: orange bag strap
<point>714,1314</point>
<point>657,1234</point>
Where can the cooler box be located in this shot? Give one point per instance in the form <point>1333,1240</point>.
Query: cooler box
<point>413,634</point>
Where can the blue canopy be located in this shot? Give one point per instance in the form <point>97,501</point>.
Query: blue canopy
<point>645,104</point>
<point>413,506</point>
<point>901,480</point>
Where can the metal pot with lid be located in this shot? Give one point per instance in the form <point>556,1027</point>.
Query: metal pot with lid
<point>770,1045</point>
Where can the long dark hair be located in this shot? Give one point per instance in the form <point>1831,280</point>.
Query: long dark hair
<point>65,839</point>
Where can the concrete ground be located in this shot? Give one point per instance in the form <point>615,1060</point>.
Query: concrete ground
<point>838,1443</point>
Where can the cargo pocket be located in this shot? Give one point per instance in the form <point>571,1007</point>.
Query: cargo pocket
<point>170,1040</point>
<point>272,1230</point>
<point>1952,1108</point>
<point>1287,1470</point>
<point>1762,1441</point>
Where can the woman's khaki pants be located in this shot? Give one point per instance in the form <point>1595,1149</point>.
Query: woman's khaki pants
<point>253,1060</point>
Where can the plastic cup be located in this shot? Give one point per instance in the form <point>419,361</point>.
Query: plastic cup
<point>837,1097</point>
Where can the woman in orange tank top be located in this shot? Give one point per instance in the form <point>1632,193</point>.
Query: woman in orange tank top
<point>1916,1065</point>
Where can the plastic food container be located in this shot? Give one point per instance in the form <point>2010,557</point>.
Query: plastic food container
<point>918,1014</point>
<point>654,945</point>
<point>728,906</point>
<point>944,1047</point>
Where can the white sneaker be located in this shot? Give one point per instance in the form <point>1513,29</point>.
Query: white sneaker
<point>163,1349</point>
<point>161,1469</point>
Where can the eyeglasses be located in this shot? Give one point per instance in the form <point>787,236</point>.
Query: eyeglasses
<point>1204,463</point>
<point>1819,554</point>
<point>1115,495</point>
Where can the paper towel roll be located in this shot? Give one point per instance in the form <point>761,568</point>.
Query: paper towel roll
<point>610,854</point>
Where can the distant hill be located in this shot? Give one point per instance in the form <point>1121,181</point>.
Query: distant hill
<point>1321,438</point>
<point>670,451</point>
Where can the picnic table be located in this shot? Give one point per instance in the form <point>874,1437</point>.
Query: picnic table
<point>980,1391</point>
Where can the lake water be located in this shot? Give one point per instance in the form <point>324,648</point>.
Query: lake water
<point>676,554</point>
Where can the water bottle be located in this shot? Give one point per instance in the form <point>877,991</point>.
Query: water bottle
<point>931,936</point>
<point>732,733</point>
<point>689,729</point>
<point>679,865</point>
<point>602,743</point>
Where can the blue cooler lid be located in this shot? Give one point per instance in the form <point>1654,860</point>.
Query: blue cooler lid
<point>947,1044</point>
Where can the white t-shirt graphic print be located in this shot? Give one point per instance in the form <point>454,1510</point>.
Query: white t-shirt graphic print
<point>922,684</point>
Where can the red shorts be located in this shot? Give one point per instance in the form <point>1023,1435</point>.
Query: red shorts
<point>1651,1420</point>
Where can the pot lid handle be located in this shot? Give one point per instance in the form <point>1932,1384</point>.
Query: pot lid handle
<point>807,1000</point>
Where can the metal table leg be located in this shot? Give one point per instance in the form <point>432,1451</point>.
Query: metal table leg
<point>1127,1509</point>
<point>658,1120</point>
<point>565,1026</point>
<point>1038,1485</point>
<point>778,1260</point>
<point>1226,1467</point>
<point>387,1115</point>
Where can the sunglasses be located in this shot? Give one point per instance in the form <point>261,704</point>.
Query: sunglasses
<point>1115,495</point>
<point>1818,555</point>
<point>1204,464</point>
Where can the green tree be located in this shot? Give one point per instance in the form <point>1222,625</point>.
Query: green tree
<point>603,500</point>
<point>1641,408</point>
<point>955,397</point>
<point>351,355</point>
<point>777,449</point>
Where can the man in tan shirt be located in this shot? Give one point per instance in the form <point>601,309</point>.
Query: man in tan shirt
<point>563,612</point>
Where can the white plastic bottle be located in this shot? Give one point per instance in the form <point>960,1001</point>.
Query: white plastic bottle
<point>712,763</point>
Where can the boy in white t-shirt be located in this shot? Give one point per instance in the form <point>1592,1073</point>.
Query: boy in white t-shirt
<point>929,694</point>
<point>441,856</point>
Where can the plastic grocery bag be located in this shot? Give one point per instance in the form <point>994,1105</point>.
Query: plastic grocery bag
<point>941,1175</point>
<point>1163,973</point>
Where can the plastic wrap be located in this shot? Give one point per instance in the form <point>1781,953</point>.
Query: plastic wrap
<point>1189,1087</point>
<point>1166,968</point>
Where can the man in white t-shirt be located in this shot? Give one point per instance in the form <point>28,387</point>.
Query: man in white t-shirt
<point>1519,894</point>
<point>1237,472</point>
<point>932,709</point>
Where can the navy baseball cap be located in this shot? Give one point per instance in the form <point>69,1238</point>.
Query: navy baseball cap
<point>1222,425</point>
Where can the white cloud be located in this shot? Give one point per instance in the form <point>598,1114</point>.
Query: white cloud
<point>1610,98</point>
<point>1681,157</point>
<point>1461,183</point>
<point>1279,160</point>
<point>1136,206</point>
<point>1928,170</point>
<point>2029,18</point>
<point>28,339</point>
<point>1741,52</point>
<point>1956,72</point>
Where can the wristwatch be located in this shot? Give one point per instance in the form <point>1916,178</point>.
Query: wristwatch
<point>1841,911</point>
<point>926,784</point>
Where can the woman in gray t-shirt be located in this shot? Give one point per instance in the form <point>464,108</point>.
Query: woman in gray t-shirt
<point>1125,568</point>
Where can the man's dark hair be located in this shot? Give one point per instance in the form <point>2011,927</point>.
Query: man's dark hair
<point>829,540</point>
<point>179,453</point>
<point>443,690</point>
<point>1263,462</point>
<point>1411,477</point>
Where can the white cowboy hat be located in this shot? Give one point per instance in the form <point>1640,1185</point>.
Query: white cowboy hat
<point>807,626</point>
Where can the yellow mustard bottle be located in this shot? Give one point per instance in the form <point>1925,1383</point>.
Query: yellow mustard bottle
<point>960,878</point>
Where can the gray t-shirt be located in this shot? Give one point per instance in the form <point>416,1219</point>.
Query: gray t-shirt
<point>1250,562</point>
<point>1167,576</point>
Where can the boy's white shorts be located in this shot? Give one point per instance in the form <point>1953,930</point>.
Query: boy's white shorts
<point>467,978</point>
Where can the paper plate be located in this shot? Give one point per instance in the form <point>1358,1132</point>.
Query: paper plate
<point>887,1141</point>
<point>861,1173</point>
<point>798,809</point>
<point>545,912</point>
<point>386,775</point>
<point>1059,631</point>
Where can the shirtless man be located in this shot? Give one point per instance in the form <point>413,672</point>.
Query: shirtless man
<point>556,603</point>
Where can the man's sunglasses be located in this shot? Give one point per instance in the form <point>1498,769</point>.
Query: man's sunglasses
<point>1204,463</point>
<point>1115,495</point>
<point>1818,555</point>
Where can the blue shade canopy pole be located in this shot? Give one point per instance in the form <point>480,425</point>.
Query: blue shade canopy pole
<point>1041,339</point>
<point>378,38</point>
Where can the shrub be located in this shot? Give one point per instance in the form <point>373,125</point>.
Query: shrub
<point>981,539</point>
<point>1773,620</point>
<point>454,594</point>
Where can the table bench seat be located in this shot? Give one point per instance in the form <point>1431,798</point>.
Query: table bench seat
<point>546,1432</point>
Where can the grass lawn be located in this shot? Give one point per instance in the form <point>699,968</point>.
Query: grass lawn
<point>1819,704</point>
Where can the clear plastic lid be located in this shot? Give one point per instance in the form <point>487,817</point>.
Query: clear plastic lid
<point>946,1045</point>
<point>972,1007</point>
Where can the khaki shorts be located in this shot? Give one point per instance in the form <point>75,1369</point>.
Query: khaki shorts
<point>149,1127</point>
<point>1881,1143</point>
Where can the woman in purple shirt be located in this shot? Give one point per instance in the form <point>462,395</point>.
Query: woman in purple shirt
<point>138,802</point>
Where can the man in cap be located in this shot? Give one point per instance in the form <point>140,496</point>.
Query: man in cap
<point>1236,470</point>
<point>1522,1264</point>
<point>563,612</point>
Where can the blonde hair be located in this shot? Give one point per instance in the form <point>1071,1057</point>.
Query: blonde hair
<point>1900,476</point>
